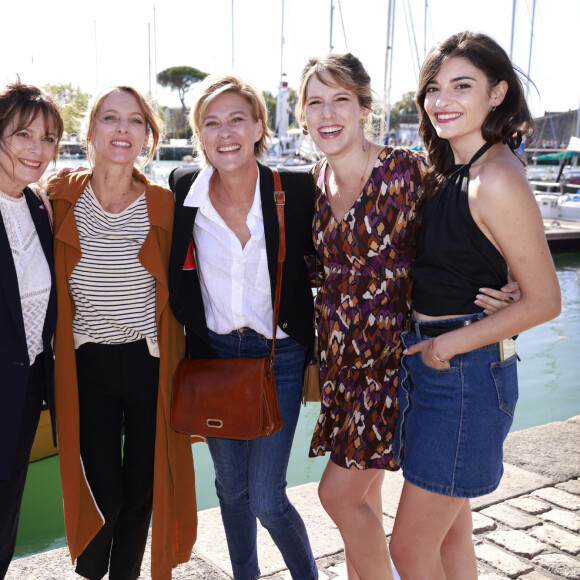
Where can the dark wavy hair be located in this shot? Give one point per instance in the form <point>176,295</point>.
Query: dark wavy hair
<point>509,122</point>
<point>22,104</point>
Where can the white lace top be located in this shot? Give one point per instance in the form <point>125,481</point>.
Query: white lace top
<point>32,269</point>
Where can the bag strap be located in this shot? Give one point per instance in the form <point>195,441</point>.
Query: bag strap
<point>279,200</point>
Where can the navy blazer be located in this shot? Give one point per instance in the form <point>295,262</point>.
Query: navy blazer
<point>14,362</point>
<point>296,301</point>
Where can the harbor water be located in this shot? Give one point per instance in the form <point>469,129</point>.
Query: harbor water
<point>549,381</point>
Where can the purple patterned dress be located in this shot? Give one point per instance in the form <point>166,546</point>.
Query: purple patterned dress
<point>361,308</point>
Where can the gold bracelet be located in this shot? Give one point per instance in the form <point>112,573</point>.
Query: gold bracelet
<point>433,353</point>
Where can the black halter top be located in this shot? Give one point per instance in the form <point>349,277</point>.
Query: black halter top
<point>454,257</point>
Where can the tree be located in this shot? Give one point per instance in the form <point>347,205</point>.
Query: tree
<point>72,102</point>
<point>180,79</point>
<point>270,107</point>
<point>405,106</point>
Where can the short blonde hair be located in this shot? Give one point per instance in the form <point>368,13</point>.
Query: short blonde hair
<point>348,72</point>
<point>210,89</point>
<point>153,127</point>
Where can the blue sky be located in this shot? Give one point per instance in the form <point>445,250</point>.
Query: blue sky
<point>99,43</point>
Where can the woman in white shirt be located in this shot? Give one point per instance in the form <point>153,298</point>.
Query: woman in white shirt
<point>30,129</point>
<point>222,287</point>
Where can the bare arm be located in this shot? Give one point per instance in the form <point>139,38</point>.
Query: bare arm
<point>504,207</point>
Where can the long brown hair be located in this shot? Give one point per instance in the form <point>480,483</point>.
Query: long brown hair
<point>509,122</point>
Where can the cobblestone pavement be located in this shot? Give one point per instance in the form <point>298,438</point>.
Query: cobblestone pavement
<point>529,528</point>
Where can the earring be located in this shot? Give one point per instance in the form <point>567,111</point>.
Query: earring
<point>363,122</point>
<point>305,130</point>
<point>493,108</point>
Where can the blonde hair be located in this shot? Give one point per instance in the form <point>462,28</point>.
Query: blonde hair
<point>153,127</point>
<point>209,90</point>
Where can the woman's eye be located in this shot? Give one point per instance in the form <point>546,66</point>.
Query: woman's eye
<point>137,121</point>
<point>463,86</point>
<point>431,89</point>
<point>313,102</point>
<point>109,118</point>
<point>50,139</point>
<point>22,134</point>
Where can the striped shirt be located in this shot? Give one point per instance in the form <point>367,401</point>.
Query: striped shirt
<point>114,295</point>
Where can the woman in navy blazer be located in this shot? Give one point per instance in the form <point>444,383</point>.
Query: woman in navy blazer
<point>222,279</point>
<point>30,130</point>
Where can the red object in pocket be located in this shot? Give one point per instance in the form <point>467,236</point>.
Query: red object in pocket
<point>189,263</point>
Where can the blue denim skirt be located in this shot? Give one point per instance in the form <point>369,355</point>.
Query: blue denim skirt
<point>453,421</point>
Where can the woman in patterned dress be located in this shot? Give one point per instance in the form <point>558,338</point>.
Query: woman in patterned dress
<point>364,206</point>
<point>365,199</point>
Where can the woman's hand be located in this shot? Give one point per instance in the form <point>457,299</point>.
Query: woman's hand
<point>428,351</point>
<point>66,170</point>
<point>493,300</point>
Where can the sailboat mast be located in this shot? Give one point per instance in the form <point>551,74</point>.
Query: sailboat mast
<point>331,21</point>
<point>513,27</point>
<point>386,97</point>
<point>531,48</point>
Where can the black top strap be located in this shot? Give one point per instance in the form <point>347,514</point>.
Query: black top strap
<point>479,153</point>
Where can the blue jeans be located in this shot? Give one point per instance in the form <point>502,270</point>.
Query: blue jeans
<point>251,475</point>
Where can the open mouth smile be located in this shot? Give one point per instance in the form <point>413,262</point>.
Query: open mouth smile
<point>228,148</point>
<point>330,131</point>
<point>448,116</point>
<point>29,163</point>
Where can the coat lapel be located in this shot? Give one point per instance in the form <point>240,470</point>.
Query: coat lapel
<point>152,255</point>
<point>9,283</point>
<point>43,229</point>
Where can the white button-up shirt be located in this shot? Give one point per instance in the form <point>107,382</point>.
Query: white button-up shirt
<point>235,283</point>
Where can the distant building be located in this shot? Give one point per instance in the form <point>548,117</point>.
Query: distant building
<point>553,130</point>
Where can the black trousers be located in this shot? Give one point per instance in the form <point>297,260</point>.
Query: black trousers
<point>12,489</point>
<point>118,387</point>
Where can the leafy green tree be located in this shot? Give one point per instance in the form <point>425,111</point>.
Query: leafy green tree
<point>180,79</point>
<point>405,106</point>
<point>271,107</point>
<point>73,103</point>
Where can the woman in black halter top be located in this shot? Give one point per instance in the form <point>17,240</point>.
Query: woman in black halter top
<point>458,384</point>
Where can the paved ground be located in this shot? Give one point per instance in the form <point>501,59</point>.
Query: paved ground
<point>529,528</point>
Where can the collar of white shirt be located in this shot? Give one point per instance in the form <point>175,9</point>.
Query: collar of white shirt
<point>198,195</point>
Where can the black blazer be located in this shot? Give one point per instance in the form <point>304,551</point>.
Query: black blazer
<point>296,301</point>
<point>14,362</point>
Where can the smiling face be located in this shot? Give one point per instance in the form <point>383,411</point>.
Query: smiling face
<point>119,132</point>
<point>25,154</point>
<point>333,115</point>
<point>458,99</point>
<point>229,132</point>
